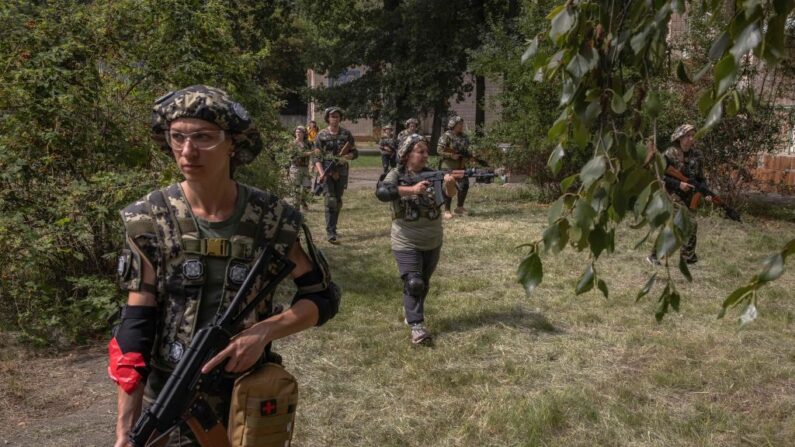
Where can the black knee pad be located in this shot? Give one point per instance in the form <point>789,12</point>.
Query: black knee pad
<point>414,285</point>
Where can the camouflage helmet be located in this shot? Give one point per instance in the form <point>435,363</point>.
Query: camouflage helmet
<point>209,104</point>
<point>412,121</point>
<point>408,144</point>
<point>388,126</point>
<point>330,110</point>
<point>301,128</point>
<point>455,119</point>
<point>681,131</point>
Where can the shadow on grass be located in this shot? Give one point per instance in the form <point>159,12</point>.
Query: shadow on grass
<point>514,318</point>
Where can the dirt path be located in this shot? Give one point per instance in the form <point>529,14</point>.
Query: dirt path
<point>57,401</point>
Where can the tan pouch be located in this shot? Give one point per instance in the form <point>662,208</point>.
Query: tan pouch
<point>263,408</point>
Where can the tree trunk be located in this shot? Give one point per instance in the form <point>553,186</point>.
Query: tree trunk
<point>480,98</point>
<point>436,127</point>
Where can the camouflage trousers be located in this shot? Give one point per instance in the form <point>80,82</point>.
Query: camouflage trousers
<point>219,399</point>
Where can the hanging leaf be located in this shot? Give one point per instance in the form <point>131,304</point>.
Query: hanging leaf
<point>561,24</point>
<point>531,50</point>
<point>719,46</point>
<point>567,182</point>
<point>773,268</point>
<point>725,74</point>
<point>666,242</point>
<point>681,73</point>
<point>530,272</point>
<point>748,39</point>
<point>556,159</point>
<point>593,170</point>
<point>556,236</point>
<point>684,269</point>
<point>734,298</point>
<point>556,210</point>
<point>651,105</point>
<point>586,281</point>
<point>749,315</point>
<point>618,104</point>
<point>657,210</point>
<point>603,288</point>
<point>578,66</point>
<point>647,287</point>
<point>714,115</point>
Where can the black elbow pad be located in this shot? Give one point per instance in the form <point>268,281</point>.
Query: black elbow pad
<point>386,192</point>
<point>327,299</point>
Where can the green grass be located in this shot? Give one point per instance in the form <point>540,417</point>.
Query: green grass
<point>374,161</point>
<point>554,369</point>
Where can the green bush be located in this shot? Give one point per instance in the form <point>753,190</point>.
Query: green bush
<point>76,91</point>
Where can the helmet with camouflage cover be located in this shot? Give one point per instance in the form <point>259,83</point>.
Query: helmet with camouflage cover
<point>408,144</point>
<point>455,119</point>
<point>411,121</point>
<point>330,110</point>
<point>681,131</point>
<point>213,105</point>
<point>388,126</point>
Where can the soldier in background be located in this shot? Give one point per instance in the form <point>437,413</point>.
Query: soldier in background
<point>300,180</point>
<point>334,147</point>
<point>387,145</point>
<point>690,162</point>
<point>453,148</point>
<point>411,128</point>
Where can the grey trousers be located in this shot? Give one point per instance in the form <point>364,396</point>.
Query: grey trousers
<point>418,264</point>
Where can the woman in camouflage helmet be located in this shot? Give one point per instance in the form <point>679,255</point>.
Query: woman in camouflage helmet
<point>411,128</point>
<point>300,180</point>
<point>188,246</point>
<point>453,149</point>
<point>416,228</point>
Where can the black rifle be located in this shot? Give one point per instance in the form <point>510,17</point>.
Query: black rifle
<point>436,179</point>
<point>179,393</point>
<point>701,190</point>
<point>329,167</point>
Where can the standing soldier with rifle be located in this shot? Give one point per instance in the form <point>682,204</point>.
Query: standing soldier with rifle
<point>300,180</point>
<point>453,148</point>
<point>416,227</point>
<point>387,145</point>
<point>201,261</point>
<point>334,147</point>
<point>684,180</point>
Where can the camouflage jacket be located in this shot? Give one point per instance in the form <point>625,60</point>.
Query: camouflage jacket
<point>162,232</point>
<point>330,146</point>
<point>450,144</point>
<point>387,146</point>
<point>402,136</point>
<point>297,154</point>
<point>690,163</point>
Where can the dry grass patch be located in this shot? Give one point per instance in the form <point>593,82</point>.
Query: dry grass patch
<point>506,370</point>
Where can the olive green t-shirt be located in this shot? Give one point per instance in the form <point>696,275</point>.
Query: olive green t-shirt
<point>421,234</point>
<point>213,289</point>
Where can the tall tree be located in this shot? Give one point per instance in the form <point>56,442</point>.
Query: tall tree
<point>414,53</point>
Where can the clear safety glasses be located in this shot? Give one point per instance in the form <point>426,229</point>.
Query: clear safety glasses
<point>203,140</point>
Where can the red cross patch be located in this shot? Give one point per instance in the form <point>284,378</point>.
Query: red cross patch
<point>267,407</point>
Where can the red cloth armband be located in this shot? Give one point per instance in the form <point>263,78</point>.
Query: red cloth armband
<point>122,367</point>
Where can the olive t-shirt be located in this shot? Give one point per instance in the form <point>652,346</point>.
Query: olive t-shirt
<point>213,289</point>
<point>422,234</point>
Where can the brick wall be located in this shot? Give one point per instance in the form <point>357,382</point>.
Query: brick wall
<point>776,174</point>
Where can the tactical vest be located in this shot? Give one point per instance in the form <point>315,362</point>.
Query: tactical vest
<point>164,228</point>
<point>411,208</point>
<point>460,145</point>
<point>331,145</point>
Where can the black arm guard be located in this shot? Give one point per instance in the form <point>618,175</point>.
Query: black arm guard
<point>386,192</point>
<point>136,332</point>
<point>327,300</point>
